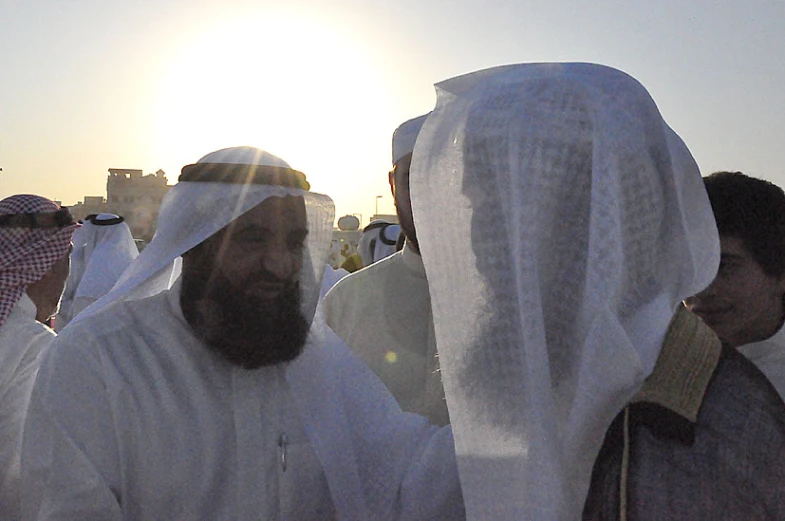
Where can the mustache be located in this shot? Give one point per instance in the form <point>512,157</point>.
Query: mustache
<point>214,281</point>
<point>266,276</point>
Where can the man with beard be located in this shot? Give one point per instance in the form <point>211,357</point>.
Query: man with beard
<point>212,395</point>
<point>383,312</point>
<point>243,309</point>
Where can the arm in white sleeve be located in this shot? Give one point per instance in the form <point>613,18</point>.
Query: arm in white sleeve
<point>70,465</point>
<point>381,463</point>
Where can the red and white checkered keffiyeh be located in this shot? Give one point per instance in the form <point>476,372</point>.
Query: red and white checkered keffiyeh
<point>27,254</point>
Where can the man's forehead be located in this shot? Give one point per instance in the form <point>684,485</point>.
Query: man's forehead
<point>286,211</point>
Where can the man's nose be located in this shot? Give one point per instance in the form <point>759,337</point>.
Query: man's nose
<point>280,263</point>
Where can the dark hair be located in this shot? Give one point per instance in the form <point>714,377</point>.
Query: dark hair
<point>752,210</point>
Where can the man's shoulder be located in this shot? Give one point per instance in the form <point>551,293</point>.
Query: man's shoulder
<point>22,339</point>
<point>131,315</point>
<point>738,385</point>
<point>373,279</point>
<point>26,330</point>
<point>131,335</point>
<point>390,263</point>
<point>709,384</point>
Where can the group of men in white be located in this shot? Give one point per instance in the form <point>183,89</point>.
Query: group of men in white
<point>578,326</point>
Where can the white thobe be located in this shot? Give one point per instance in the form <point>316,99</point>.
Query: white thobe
<point>22,339</point>
<point>330,277</point>
<point>769,356</point>
<point>383,312</point>
<point>133,418</point>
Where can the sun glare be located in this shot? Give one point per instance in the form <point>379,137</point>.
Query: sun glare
<point>295,87</point>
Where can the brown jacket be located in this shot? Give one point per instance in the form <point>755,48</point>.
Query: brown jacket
<point>703,440</point>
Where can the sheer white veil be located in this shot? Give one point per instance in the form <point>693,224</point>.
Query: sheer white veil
<point>561,221</point>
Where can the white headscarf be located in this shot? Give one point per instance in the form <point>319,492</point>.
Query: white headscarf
<point>103,249</point>
<point>405,136</point>
<point>561,222</point>
<point>379,240</point>
<point>193,211</point>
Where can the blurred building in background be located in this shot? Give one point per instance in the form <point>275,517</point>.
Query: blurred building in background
<point>129,193</point>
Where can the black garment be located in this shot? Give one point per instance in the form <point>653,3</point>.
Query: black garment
<point>727,463</point>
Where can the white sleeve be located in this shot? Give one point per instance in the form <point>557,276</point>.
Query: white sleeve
<point>431,489</point>
<point>411,462</point>
<point>381,463</point>
<point>69,456</point>
<point>14,399</point>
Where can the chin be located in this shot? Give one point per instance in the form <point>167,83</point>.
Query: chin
<point>254,352</point>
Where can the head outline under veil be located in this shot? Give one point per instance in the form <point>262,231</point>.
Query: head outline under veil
<point>194,210</point>
<point>529,420</point>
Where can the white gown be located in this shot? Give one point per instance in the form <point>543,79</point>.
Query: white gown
<point>132,418</point>
<point>383,312</point>
<point>22,339</point>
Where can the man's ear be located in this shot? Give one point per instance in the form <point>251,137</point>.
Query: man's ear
<point>391,179</point>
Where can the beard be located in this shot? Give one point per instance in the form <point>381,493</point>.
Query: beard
<point>407,227</point>
<point>246,330</point>
<point>406,222</point>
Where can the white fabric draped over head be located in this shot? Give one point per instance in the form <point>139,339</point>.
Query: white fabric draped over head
<point>405,136</point>
<point>561,221</point>
<point>379,240</point>
<point>101,254</point>
<point>193,211</point>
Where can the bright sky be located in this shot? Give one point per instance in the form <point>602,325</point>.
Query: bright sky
<point>88,85</point>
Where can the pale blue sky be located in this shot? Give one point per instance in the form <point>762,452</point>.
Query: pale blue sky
<point>88,85</point>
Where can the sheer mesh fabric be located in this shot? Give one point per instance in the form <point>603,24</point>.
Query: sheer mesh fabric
<point>561,221</point>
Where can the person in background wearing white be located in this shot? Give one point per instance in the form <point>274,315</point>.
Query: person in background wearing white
<point>103,249</point>
<point>383,312</point>
<point>35,240</point>
<point>379,240</point>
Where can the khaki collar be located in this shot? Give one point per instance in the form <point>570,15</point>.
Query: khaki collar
<point>690,354</point>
